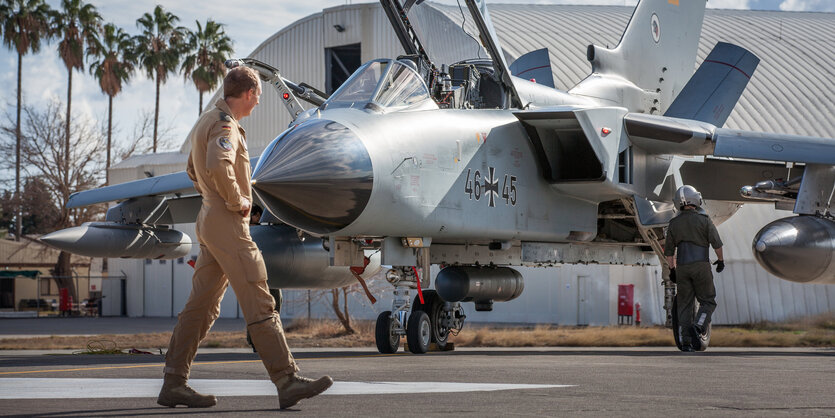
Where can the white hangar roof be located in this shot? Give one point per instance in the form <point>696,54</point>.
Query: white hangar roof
<point>792,90</point>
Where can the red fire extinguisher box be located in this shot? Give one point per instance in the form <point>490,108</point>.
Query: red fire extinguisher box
<point>626,299</point>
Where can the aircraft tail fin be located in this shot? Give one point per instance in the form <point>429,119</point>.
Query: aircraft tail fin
<point>534,66</point>
<point>715,88</point>
<point>657,51</point>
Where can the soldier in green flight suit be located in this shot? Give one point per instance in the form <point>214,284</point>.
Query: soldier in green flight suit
<point>686,247</point>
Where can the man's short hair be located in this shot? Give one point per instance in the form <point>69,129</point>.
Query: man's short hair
<point>239,80</point>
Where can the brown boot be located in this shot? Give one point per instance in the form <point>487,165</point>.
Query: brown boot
<point>292,388</point>
<point>175,392</point>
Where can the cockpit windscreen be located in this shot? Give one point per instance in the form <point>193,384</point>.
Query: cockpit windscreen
<point>387,83</point>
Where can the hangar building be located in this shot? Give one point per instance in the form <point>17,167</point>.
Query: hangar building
<point>792,92</point>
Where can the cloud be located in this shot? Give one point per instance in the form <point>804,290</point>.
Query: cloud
<point>808,5</point>
<point>729,4</point>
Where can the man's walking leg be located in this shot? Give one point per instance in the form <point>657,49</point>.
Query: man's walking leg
<point>685,301</point>
<point>706,295</point>
<point>264,326</point>
<point>193,323</point>
<point>268,338</point>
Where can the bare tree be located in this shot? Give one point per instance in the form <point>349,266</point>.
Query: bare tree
<point>343,316</point>
<point>43,135</point>
<point>376,286</point>
<point>141,141</point>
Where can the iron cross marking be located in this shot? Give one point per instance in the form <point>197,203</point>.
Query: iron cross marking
<point>491,187</point>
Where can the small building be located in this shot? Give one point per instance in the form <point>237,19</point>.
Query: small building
<point>26,281</point>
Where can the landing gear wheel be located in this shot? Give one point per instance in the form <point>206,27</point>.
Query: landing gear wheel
<point>419,332</point>
<point>387,340</point>
<point>434,307</point>
<point>676,333</point>
<point>700,342</point>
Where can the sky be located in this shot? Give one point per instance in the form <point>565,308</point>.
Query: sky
<point>45,77</point>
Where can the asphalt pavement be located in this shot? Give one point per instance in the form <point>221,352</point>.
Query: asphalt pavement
<point>465,382</point>
<point>552,381</point>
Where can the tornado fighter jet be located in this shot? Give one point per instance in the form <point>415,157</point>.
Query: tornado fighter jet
<point>466,166</point>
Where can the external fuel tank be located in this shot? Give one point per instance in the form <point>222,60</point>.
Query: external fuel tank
<point>798,248</point>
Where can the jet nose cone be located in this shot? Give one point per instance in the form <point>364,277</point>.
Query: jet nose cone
<point>317,177</point>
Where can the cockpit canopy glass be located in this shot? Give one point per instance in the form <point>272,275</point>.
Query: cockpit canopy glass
<point>387,83</point>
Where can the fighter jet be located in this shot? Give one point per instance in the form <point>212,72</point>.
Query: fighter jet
<point>466,166</point>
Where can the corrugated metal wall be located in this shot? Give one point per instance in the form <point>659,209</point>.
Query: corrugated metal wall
<point>793,84</point>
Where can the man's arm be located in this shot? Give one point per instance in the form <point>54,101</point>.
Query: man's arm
<point>670,248</point>
<point>220,157</point>
<point>716,243</point>
<point>192,175</point>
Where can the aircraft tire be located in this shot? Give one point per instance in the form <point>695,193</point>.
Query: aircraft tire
<point>434,307</point>
<point>419,332</point>
<point>387,341</point>
<point>676,333</point>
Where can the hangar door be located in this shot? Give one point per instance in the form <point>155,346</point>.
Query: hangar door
<point>340,63</point>
<point>158,288</point>
<point>592,300</point>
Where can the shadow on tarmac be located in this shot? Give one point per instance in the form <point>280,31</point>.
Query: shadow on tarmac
<point>159,411</point>
<point>824,352</point>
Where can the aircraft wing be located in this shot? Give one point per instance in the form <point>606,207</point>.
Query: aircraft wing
<point>666,135</point>
<point>176,183</point>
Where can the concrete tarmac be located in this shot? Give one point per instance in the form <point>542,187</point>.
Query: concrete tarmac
<point>465,382</point>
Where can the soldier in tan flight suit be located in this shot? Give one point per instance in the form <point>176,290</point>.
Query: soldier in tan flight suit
<point>219,167</point>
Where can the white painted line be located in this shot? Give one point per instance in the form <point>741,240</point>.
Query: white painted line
<point>50,388</point>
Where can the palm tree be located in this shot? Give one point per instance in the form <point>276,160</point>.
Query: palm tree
<point>114,49</point>
<point>77,24</point>
<point>158,49</point>
<point>207,50</point>
<point>24,24</point>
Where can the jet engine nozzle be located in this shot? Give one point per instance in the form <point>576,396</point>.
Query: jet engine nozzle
<point>114,240</point>
<point>316,177</point>
<point>799,249</point>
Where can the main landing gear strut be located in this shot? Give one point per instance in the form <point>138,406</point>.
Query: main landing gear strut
<point>421,323</point>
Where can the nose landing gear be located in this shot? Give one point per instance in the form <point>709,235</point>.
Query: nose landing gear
<point>428,322</point>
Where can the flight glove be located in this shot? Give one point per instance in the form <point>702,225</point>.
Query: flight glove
<point>720,265</point>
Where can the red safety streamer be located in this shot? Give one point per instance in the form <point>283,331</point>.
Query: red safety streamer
<point>420,292</point>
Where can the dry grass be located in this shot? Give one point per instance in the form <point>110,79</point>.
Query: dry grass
<point>551,336</point>
<point>299,334</point>
<point>816,331</point>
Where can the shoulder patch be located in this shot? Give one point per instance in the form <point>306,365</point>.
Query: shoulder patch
<point>224,143</point>
<point>224,117</point>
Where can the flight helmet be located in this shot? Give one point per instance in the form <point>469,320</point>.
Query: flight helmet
<point>688,195</point>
